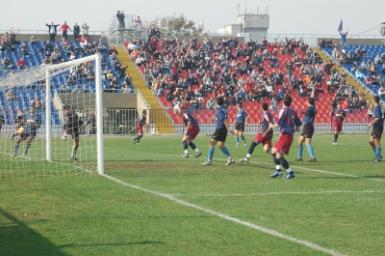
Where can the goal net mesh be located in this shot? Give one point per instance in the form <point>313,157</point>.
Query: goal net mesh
<point>62,141</point>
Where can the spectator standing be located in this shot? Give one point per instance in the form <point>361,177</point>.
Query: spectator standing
<point>85,30</point>
<point>121,19</point>
<point>76,30</point>
<point>52,31</point>
<point>64,28</point>
<point>344,36</point>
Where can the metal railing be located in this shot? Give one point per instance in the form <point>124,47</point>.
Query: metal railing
<point>123,122</point>
<point>45,31</point>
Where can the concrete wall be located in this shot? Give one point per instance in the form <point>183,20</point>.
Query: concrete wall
<point>357,41</point>
<point>110,100</point>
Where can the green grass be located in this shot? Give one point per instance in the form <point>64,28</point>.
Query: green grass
<point>91,215</point>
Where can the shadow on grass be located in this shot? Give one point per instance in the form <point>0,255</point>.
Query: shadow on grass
<point>366,177</point>
<point>16,238</point>
<point>146,242</point>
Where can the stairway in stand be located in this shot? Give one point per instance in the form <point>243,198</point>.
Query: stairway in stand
<point>158,116</point>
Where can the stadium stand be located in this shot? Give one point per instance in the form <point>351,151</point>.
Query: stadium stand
<point>191,73</point>
<point>17,56</point>
<point>365,62</point>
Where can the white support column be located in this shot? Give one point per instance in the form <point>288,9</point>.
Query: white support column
<point>48,153</point>
<point>99,114</point>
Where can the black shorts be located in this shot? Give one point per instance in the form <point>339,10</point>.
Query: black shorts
<point>240,127</point>
<point>220,134</point>
<point>307,131</point>
<point>74,134</point>
<point>377,132</point>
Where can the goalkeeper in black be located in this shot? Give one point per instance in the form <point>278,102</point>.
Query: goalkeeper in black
<point>72,125</point>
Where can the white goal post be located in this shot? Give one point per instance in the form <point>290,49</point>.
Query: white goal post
<point>49,72</point>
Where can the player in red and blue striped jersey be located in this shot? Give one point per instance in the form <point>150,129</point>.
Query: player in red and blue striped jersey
<point>338,115</point>
<point>139,126</point>
<point>220,134</point>
<point>192,130</point>
<point>264,137</point>
<point>377,125</point>
<point>288,122</point>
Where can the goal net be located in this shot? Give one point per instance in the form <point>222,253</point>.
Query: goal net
<point>51,120</point>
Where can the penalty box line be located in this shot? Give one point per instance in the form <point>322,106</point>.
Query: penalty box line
<point>316,170</point>
<point>235,220</point>
<point>325,192</point>
<point>323,172</point>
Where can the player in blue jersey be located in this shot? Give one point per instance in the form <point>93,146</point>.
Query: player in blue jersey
<point>27,131</point>
<point>377,125</point>
<point>239,124</point>
<point>220,134</point>
<point>192,130</point>
<point>288,122</point>
<point>264,136</point>
<point>307,132</point>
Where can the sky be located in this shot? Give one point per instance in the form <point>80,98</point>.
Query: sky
<point>286,16</point>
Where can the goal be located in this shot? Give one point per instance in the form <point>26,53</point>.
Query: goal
<point>51,120</point>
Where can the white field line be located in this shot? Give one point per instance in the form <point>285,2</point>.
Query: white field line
<point>261,229</point>
<point>322,171</point>
<point>280,193</point>
<point>313,170</point>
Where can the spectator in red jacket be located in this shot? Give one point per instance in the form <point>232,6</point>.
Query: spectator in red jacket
<point>64,28</point>
<point>21,63</point>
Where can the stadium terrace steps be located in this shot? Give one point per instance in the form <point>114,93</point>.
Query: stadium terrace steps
<point>163,123</point>
<point>349,78</point>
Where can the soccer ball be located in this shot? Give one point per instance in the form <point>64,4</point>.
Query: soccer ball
<point>64,137</point>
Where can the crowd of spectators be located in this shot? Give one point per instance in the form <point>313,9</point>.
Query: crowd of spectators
<point>52,52</point>
<point>192,72</point>
<point>370,71</point>
<point>344,93</point>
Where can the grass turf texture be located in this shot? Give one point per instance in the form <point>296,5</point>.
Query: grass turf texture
<point>90,215</point>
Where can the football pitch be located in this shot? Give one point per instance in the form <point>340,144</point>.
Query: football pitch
<point>154,202</point>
